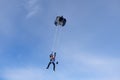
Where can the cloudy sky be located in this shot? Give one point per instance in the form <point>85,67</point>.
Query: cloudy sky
<point>88,47</point>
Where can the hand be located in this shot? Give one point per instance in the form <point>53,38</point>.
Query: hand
<point>54,53</point>
<point>57,62</point>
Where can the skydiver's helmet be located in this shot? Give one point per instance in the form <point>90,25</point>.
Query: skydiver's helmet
<point>60,20</point>
<point>51,55</point>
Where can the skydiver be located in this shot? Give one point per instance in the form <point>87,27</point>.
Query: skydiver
<point>52,60</point>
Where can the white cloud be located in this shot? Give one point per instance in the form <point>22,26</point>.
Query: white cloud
<point>77,62</point>
<point>93,61</point>
<point>28,73</point>
<point>32,73</point>
<point>32,7</point>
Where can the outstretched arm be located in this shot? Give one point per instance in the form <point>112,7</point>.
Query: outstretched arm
<point>54,54</point>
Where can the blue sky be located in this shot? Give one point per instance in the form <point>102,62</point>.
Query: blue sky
<point>88,47</point>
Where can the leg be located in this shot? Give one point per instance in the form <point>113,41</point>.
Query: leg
<point>53,66</point>
<point>48,65</point>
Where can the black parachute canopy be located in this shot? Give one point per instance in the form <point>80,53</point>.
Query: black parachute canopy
<point>60,21</point>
